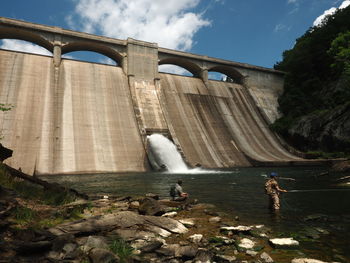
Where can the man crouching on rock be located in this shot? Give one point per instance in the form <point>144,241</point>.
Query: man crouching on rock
<point>273,190</point>
<point>176,192</point>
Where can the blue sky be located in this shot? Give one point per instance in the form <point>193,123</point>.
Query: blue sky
<point>248,31</point>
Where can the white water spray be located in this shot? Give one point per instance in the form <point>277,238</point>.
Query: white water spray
<point>164,152</point>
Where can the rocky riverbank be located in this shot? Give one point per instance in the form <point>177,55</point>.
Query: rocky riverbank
<point>136,229</point>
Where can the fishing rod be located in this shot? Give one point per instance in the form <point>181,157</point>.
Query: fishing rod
<point>317,190</point>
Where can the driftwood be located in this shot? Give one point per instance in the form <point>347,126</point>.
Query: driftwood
<point>46,185</point>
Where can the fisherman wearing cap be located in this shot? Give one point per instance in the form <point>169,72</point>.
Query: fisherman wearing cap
<point>273,190</point>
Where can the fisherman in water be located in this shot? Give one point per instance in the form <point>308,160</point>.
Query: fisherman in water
<point>273,190</point>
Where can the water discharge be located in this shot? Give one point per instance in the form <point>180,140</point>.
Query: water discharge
<point>165,155</point>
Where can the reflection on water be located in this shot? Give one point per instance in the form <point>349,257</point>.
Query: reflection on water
<point>241,192</point>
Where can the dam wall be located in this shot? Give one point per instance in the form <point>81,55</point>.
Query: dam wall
<point>71,116</point>
<point>75,119</point>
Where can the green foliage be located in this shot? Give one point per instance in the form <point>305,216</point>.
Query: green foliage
<point>317,71</point>
<point>122,249</point>
<point>24,215</point>
<point>5,107</point>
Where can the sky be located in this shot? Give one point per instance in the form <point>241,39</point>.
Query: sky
<point>247,31</point>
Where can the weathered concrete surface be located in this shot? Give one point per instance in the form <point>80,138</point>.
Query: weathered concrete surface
<point>218,125</point>
<point>76,120</point>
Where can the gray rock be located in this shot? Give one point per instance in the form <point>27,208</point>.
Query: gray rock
<point>266,258</point>
<point>196,238</point>
<point>99,255</point>
<point>203,256</point>
<point>307,260</point>
<point>151,246</point>
<point>132,234</point>
<point>251,253</point>
<point>186,251</point>
<point>96,242</point>
<point>225,258</point>
<point>246,243</point>
<point>284,242</point>
<point>215,219</point>
<point>150,206</point>
<point>60,241</point>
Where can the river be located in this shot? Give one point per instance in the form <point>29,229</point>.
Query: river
<point>319,204</point>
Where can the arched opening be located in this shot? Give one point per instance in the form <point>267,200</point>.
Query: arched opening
<point>173,69</point>
<point>224,73</point>
<point>23,46</point>
<point>92,52</point>
<point>24,41</point>
<point>179,66</point>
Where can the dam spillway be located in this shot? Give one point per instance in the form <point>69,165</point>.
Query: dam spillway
<point>78,117</point>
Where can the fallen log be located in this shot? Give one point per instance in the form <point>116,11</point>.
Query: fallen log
<point>48,186</point>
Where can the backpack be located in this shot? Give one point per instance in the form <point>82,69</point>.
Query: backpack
<point>172,191</point>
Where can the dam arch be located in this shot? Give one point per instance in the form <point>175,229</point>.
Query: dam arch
<point>230,72</point>
<point>191,67</point>
<point>10,33</point>
<point>93,47</point>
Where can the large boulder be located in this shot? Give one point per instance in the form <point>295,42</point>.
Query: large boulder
<point>328,131</point>
<point>150,206</point>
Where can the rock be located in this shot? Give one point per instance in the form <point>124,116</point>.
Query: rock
<point>132,234</point>
<point>150,206</point>
<point>284,242</point>
<point>134,205</point>
<point>188,222</point>
<point>251,253</point>
<point>123,220</point>
<point>215,219</point>
<point>246,243</point>
<point>154,196</point>
<point>225,258</point>
<point>157,230</point>
<point>236,229</point>
<point>266,258</point>
<point>96,242</point>
<point>306,260</point>
<point>186,251</point>
<point>203,256</point>
<point>99,255</point>
<point>152,246</point>
<point>170,214</point>
<point>196,238</point>
<point>328,131</point>
<point>168,224</point>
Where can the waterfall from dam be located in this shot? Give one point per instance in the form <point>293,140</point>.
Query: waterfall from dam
<point>165,153</point>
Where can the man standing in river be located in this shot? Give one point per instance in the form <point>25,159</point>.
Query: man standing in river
<point>273,190</point>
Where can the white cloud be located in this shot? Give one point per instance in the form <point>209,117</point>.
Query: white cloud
<point>174,70</point>
<point>281,27</point>
<point>292,1</point>
<point>23,46</point>
<point>169,23</point>
<point>331,11</point>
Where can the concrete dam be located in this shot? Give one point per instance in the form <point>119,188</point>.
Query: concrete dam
<point>77,117</point>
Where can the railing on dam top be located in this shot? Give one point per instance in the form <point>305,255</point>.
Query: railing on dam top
<point>61,41</point>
